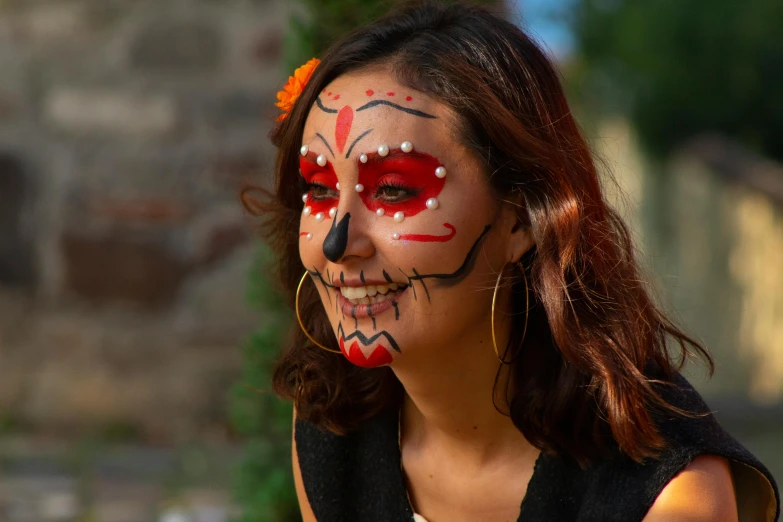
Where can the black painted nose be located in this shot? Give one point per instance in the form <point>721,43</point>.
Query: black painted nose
<point>337,239</point>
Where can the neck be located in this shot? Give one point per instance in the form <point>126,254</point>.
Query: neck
<point>449,402</point>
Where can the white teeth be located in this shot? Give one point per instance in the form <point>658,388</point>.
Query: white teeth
<point>368,294</point>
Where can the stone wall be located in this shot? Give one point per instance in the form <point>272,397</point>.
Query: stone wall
<point>126,131</point>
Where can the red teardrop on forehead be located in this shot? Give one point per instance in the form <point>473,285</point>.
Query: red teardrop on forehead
<point>343,127</point>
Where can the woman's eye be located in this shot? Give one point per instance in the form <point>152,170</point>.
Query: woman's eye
<point>317,191</point>
<point>393,193</point>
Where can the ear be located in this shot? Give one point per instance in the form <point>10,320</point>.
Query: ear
<point>518,236</point>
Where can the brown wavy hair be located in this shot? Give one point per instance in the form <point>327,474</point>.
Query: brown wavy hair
<point>587,375</point>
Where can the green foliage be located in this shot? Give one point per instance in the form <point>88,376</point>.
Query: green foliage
<point>264,485</point>
<point>682,68</point>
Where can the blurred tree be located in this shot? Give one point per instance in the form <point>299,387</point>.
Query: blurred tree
<point>265,489</point>
<point>681,68</point>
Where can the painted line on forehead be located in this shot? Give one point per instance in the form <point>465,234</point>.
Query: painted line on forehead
<point>343,127</point>
<point>367,340</point>
<point>319,136</point>
<point>426,238</point>
<point>414,112</point>
<point>320,105</point>
<point>362,135</point>
<point>460,273</point>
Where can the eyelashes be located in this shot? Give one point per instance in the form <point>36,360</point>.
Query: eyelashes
<point>387,191</point>
<point>320,192</point>
<point>392,192</point>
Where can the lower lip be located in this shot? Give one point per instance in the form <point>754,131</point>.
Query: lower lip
<point>362,311</point>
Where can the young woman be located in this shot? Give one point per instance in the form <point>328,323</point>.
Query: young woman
<point>476,341</point>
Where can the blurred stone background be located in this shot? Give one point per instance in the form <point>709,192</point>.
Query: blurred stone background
<point>127,129</point>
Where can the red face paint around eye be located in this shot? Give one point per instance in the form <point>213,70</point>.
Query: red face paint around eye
<point>413,172</point>
<point>317,175</point>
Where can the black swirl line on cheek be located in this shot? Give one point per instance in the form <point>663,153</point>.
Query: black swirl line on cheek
<point>337,239</point>
<point>459,275</point>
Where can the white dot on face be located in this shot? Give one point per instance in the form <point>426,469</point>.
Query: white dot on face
<point>440,172</point>
<point>304,150</point>
<point>337,186</point>
<point>406,146</point>
<point>359,187</point>
<point>398,217</point>
<point>304,197</point>
<point>319,217</point>
<point>309,236</point>
<point>321,160</point>
<point>395,236</point>
<point>332,212</point>
<point>383,150</point>
<point>380,212</point>
<point>363,158</point>
<point>307,211</point>
<point>432,203</point>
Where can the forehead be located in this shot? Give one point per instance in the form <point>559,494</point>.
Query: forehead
<point>374,102</point>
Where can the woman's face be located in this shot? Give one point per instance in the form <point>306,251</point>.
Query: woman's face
<point>401,231</point>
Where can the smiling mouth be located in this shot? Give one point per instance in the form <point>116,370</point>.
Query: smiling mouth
<point>368,301</point>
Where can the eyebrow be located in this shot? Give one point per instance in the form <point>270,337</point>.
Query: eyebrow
<point>376,103</point>
<point>394,154</point>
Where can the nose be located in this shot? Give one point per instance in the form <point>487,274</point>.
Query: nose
<point>347,238</point>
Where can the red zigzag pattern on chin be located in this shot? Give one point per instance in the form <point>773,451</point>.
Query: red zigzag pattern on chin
<point>354,354</point>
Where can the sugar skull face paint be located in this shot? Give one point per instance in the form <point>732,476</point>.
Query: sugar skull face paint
<point>399,182</point>
<point>405,256</point>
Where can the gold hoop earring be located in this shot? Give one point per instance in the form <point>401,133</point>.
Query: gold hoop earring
<point>299,318</point>
<point>492,320</point>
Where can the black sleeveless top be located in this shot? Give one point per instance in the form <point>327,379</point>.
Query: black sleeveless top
<point>358,477</point>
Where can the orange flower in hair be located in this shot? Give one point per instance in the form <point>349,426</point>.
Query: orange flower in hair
<point>293,89</point>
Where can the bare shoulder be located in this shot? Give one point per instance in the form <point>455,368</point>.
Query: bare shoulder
<point>703,491</point>
<point>304,504</point>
